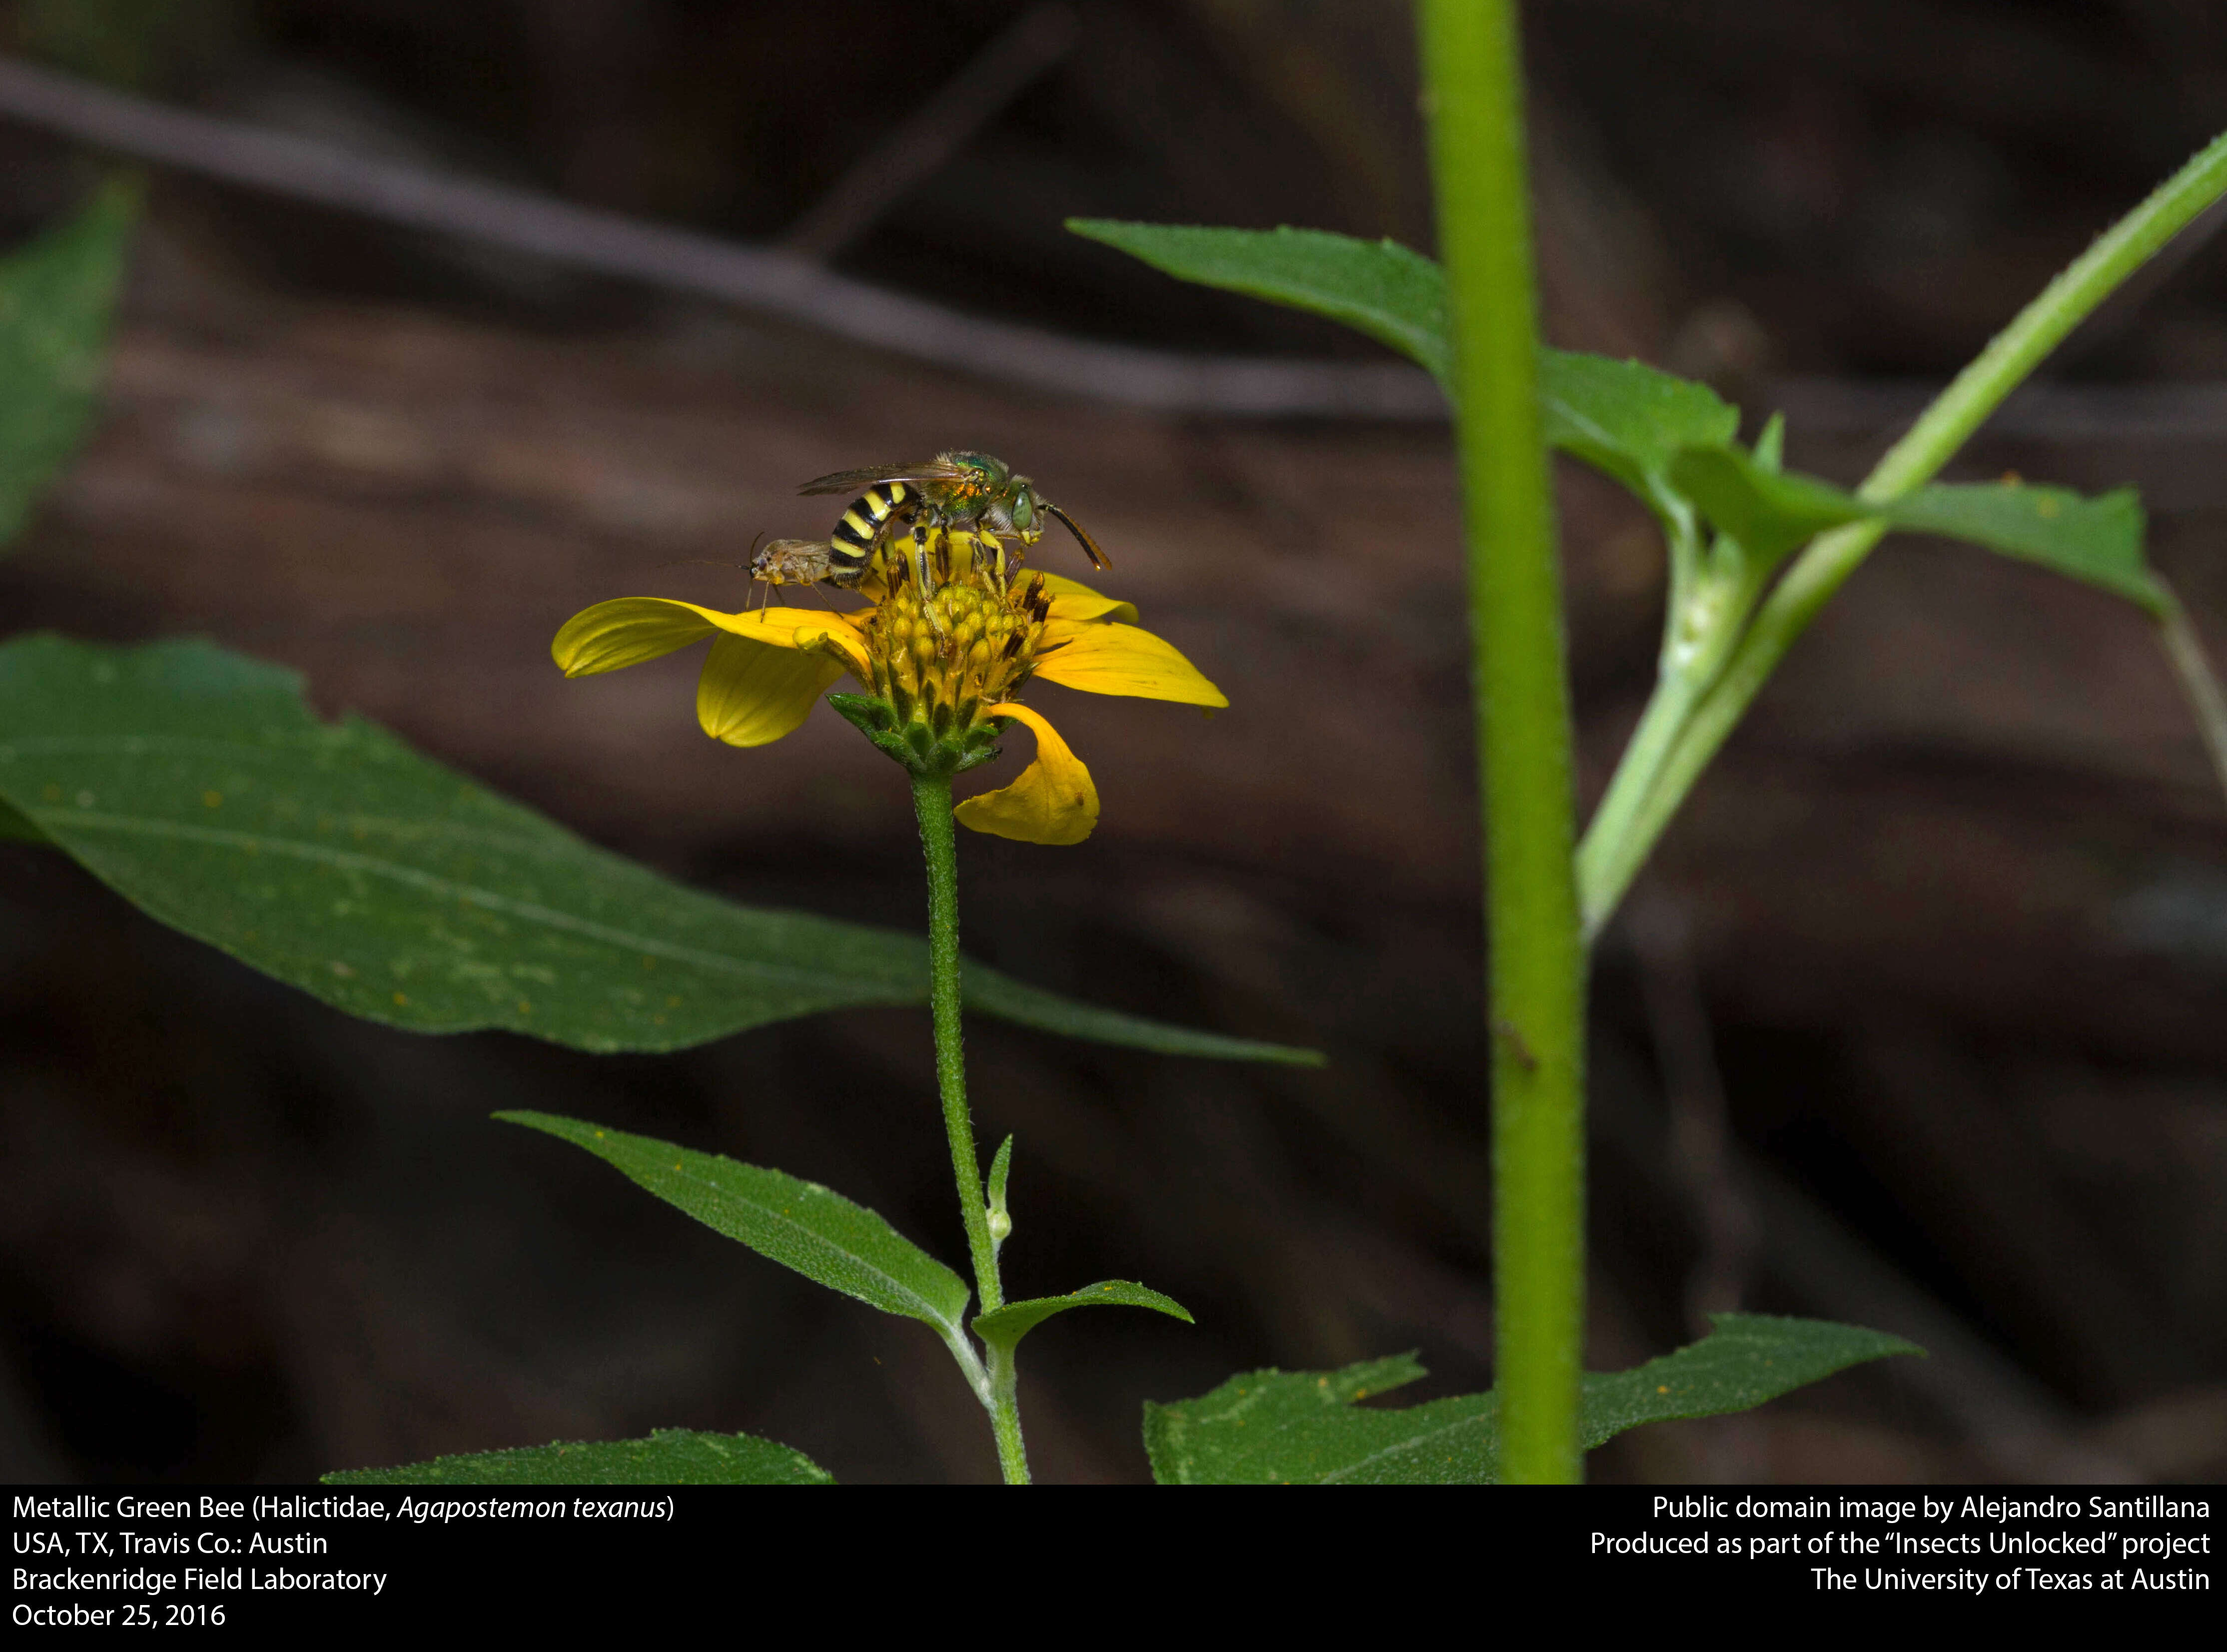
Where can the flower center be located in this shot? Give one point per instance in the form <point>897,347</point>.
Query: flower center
<point>939,656</point>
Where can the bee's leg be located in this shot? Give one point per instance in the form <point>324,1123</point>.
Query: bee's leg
<point>919,557</point>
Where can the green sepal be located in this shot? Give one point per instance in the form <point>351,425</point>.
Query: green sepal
<point>1004,1329</point>
<point>799,1224</point>
<point>1306,1427</point>
<point>57,299</point>
<point>670,1457</point>
<point>929,745</point>
<point>874,717</point>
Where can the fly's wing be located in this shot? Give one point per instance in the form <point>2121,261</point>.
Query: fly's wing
<point>920,470</point>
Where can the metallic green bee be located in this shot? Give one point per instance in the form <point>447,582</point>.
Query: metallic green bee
<point>973,491</point>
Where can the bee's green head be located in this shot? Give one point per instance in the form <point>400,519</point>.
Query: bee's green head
<point>1021,505</point>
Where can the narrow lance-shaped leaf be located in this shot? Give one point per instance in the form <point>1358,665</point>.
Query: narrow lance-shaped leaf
<point>799,1224</point>
<point>1007,1325</point>
<point>1307,1427</point>
<point>56,297</point>
<point>2098,541</point>
<point>1380,288</point>
<point>1746,1360</point>
<point>670,1457</point>
<point>1623,417</point>
<point>199,786</point>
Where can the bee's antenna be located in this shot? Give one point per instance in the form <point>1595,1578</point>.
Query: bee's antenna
<point>1089,545</point>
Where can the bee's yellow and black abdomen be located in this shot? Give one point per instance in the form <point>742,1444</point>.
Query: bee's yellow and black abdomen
<point>851,547</point>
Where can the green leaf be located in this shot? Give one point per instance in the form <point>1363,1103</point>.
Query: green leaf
<point>799,1224</point>
<point>16,828</point>
<point>1746,1360</point>
<point>1769,512</point>
<point>1005,1328</point>
<point>1305,1427</point>
<point>56,297</point>
<point>670,1457</point>
<point>198,785</point>
<point>1001,1166</point>
<point>1380,288</point>
<point>1628,419</point>
<point>1623,417</point>
<point>2095,540</point>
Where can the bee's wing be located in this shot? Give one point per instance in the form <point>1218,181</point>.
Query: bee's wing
<point>843,482</point>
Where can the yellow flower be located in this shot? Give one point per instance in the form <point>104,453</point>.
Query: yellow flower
<point>940,672</point>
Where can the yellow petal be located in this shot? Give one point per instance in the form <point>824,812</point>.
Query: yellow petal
<point>752,693</point>
<point>1073,600</point>
<point>1053,802</point>
<point>626,632</point>
<point>630,629</point>
<point>1104,657</point>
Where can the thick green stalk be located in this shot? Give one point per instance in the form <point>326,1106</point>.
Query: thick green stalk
<point>1472,69</point>
<point>1615,849</point>
<point>931,798</point>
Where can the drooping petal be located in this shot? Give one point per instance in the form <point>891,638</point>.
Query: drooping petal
<point>1073,600</point>
<point>1105,657</point>
<point>628,630</point>
<point>752,693</point>
<point>1053,802</point>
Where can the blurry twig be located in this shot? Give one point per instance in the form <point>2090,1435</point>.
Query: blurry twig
<point>2019,1428</point>
<point>1701,1153</point>
<point>2199,681</point>
<point>769,281</point>
<point>1701,1131</point>
<point>925,140</point>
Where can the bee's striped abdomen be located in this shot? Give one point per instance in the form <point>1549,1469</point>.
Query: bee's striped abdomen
<point>851,547</point>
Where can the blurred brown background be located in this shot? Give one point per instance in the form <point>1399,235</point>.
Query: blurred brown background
<point>1917,1021</point>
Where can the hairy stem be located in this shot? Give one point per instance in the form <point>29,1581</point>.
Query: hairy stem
<point>1472,70</point>
<point>1615,849</point>
<point>931,797</point>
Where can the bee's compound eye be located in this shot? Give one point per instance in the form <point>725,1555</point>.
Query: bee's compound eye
<point>1024,509</point>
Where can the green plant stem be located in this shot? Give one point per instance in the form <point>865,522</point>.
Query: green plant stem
<point>1615,849</point>
<point>931,798</point>
<point>1471,67</point>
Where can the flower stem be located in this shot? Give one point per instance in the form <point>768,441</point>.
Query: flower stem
<point>931,798</point>
<point>1472,70</point>
<point>1616,847</point>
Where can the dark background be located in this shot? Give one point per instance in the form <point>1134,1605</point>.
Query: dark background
<point>1917,1021</point>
